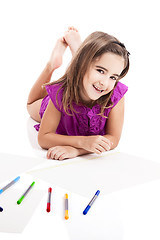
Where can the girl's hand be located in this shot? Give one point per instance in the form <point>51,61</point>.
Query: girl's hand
<point>96,144</point>
<point>62,152</point>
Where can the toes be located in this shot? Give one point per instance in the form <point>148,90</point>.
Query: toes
<point>72,28</point>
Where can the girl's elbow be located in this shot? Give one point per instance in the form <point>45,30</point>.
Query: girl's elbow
<point>41,141</point>
<point>115,143</point>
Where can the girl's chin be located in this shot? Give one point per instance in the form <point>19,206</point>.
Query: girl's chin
<point>95,95</point>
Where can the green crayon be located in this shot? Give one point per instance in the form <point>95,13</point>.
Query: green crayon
<point>26,192</point>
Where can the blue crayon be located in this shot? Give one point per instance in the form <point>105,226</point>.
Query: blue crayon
<point>91,202</point>
<point>9,185</point>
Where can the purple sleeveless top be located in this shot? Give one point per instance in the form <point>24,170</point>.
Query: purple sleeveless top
<point>86,121</point>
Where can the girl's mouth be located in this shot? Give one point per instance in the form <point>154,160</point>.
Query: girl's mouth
<point>97,89</point>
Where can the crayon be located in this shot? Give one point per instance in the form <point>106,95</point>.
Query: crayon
<point>26,192</point>
<point>9,185</point>
<point>66,216</point>
<point>49,200</point>
<point>91,202</point>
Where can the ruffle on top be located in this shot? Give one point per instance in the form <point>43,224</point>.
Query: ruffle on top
<point>86,121</point>
<point>89,123</point>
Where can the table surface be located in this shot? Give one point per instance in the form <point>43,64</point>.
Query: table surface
<point>129,213</point>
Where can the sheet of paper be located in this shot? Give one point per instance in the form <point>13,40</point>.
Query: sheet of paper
<point>12,165</point>
<point>14,217</point>
<point>108,172</point>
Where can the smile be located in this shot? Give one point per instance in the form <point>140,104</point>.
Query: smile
<point>97,89</point>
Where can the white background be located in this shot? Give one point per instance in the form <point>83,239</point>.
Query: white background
<point>28,31</point>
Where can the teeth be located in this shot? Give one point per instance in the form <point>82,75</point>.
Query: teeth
<point>97,88</point>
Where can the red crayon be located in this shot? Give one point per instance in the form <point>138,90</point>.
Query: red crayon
<point>49,200</point>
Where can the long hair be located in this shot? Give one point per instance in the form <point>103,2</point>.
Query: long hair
<point>93,47</point>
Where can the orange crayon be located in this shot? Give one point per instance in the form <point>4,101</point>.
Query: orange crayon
<point>66,216</point>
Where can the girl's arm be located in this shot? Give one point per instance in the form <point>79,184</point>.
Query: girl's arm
<point>115,123</point>
<point>62,147</point>
<point>48,138</point>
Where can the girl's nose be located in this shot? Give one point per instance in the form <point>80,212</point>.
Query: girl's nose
<point>104,83</point>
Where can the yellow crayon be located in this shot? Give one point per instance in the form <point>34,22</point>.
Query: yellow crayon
<point>66,207</point>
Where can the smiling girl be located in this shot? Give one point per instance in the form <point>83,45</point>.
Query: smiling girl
<point>83,111</point>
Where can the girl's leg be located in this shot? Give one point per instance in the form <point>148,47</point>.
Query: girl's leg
<point>73,39</point>
<point>38,92</point>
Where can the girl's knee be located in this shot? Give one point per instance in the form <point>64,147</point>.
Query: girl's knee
<point>33,110</point>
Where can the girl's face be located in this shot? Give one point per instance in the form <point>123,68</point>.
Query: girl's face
<point>101,77</point>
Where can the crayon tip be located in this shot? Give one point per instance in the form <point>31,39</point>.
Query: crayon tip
<point>1,209</point>
<point>67,217</point>
<point>66,214</point>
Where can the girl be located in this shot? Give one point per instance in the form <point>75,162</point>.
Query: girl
<point>83,111</point>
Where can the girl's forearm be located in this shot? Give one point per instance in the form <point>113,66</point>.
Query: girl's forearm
<point>113,143</point>
<point>82,151</point>
<point>113,140</point>
<point>82,143</point>
<point>49,140</point>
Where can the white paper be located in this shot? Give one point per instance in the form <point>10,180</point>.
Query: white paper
<point>12,165</point>
<point>108,172</point>
<point>14,217</point>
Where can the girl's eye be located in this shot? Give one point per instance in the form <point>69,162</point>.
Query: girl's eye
<point>100,71</point>
<point>113,78</point>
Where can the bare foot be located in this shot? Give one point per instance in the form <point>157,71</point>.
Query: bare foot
<point>57,54</point>
<point>73,39</point>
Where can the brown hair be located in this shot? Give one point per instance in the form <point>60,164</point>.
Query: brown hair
<point>93,47</point>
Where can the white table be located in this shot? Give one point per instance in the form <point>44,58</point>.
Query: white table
<point>129,213</point>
